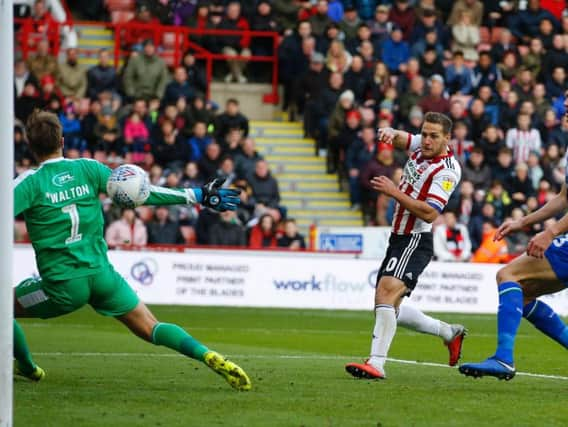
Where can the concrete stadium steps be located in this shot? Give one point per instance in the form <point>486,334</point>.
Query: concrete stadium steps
<point>91,39</point>
<point>295,177</point>
<point>304,224</point>
<point>311,195</point>
<point>288,150</point>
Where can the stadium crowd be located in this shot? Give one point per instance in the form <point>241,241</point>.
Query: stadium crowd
<point>498,69</point>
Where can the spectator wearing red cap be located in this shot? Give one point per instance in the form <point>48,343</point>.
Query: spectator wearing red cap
<point>50,92</point>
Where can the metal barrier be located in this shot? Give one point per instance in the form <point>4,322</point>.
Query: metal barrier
<point>175,40</point>
<point>29,35</point>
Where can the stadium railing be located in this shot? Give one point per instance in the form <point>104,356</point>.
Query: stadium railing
<point>173,43</point>
<point>27,36</point>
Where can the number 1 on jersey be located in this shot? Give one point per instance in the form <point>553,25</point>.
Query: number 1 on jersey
<point>74,215</point>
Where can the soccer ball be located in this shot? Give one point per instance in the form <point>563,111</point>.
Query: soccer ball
<point>128,186</point>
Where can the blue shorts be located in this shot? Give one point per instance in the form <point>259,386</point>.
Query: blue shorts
<point>557,256</point>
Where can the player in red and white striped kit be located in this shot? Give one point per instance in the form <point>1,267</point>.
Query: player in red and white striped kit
<point>430,176</point>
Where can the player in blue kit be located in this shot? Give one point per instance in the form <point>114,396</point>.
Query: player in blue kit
<point>543,270</point>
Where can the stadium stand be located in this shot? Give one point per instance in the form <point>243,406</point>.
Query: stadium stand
<point>499,72</point>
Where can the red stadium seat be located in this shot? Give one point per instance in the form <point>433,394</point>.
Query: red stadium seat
<point>120,5</point>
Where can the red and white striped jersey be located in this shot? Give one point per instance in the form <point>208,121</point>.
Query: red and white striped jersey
<point>522,142</point>
<point>431,180</point>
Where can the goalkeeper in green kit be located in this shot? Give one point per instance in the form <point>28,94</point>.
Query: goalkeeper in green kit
<point>63,215</point>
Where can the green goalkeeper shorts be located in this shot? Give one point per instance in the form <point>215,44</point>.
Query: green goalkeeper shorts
<point>106,291</point>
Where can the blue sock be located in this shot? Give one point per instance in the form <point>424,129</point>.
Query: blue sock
<point>547,321</point>
<point>508,319</point>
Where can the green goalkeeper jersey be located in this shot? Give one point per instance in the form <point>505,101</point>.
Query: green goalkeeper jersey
<point>64,217</point>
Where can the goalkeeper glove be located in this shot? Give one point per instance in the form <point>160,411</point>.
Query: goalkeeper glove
<point>211,195</point>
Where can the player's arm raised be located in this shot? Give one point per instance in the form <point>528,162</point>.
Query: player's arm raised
<point>553,207</point>
<point>397,138</point>
<point>419,208</point>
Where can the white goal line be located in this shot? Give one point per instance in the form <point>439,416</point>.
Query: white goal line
<point>280,356</point>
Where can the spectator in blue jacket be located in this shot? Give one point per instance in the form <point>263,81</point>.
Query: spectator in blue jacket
<point>485,72</point>
<point>558,107</point>
<point>428,22</point>
<point>395,51</point>
<point>199,141</point>
<point>335,10</point>
<point>459,78</point>
<point>102,77</point>
<point>72,136</point>
<point>525,24</point>
<point>430,40</point>
<point>365,8</point>
<point>557,85</point>
<point>179,87</point>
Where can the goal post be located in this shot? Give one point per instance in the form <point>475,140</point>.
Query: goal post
<point>7,211</point>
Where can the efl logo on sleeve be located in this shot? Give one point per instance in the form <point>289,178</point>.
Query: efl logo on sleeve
<point>448,184</point>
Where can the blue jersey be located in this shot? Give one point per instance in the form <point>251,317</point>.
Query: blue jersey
<point>557,256</point>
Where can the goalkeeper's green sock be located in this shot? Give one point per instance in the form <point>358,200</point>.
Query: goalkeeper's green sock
<point>22,352</point>
<point>174,337</point>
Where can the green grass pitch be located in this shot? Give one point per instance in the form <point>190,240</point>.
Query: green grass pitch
<point>100,375</point>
